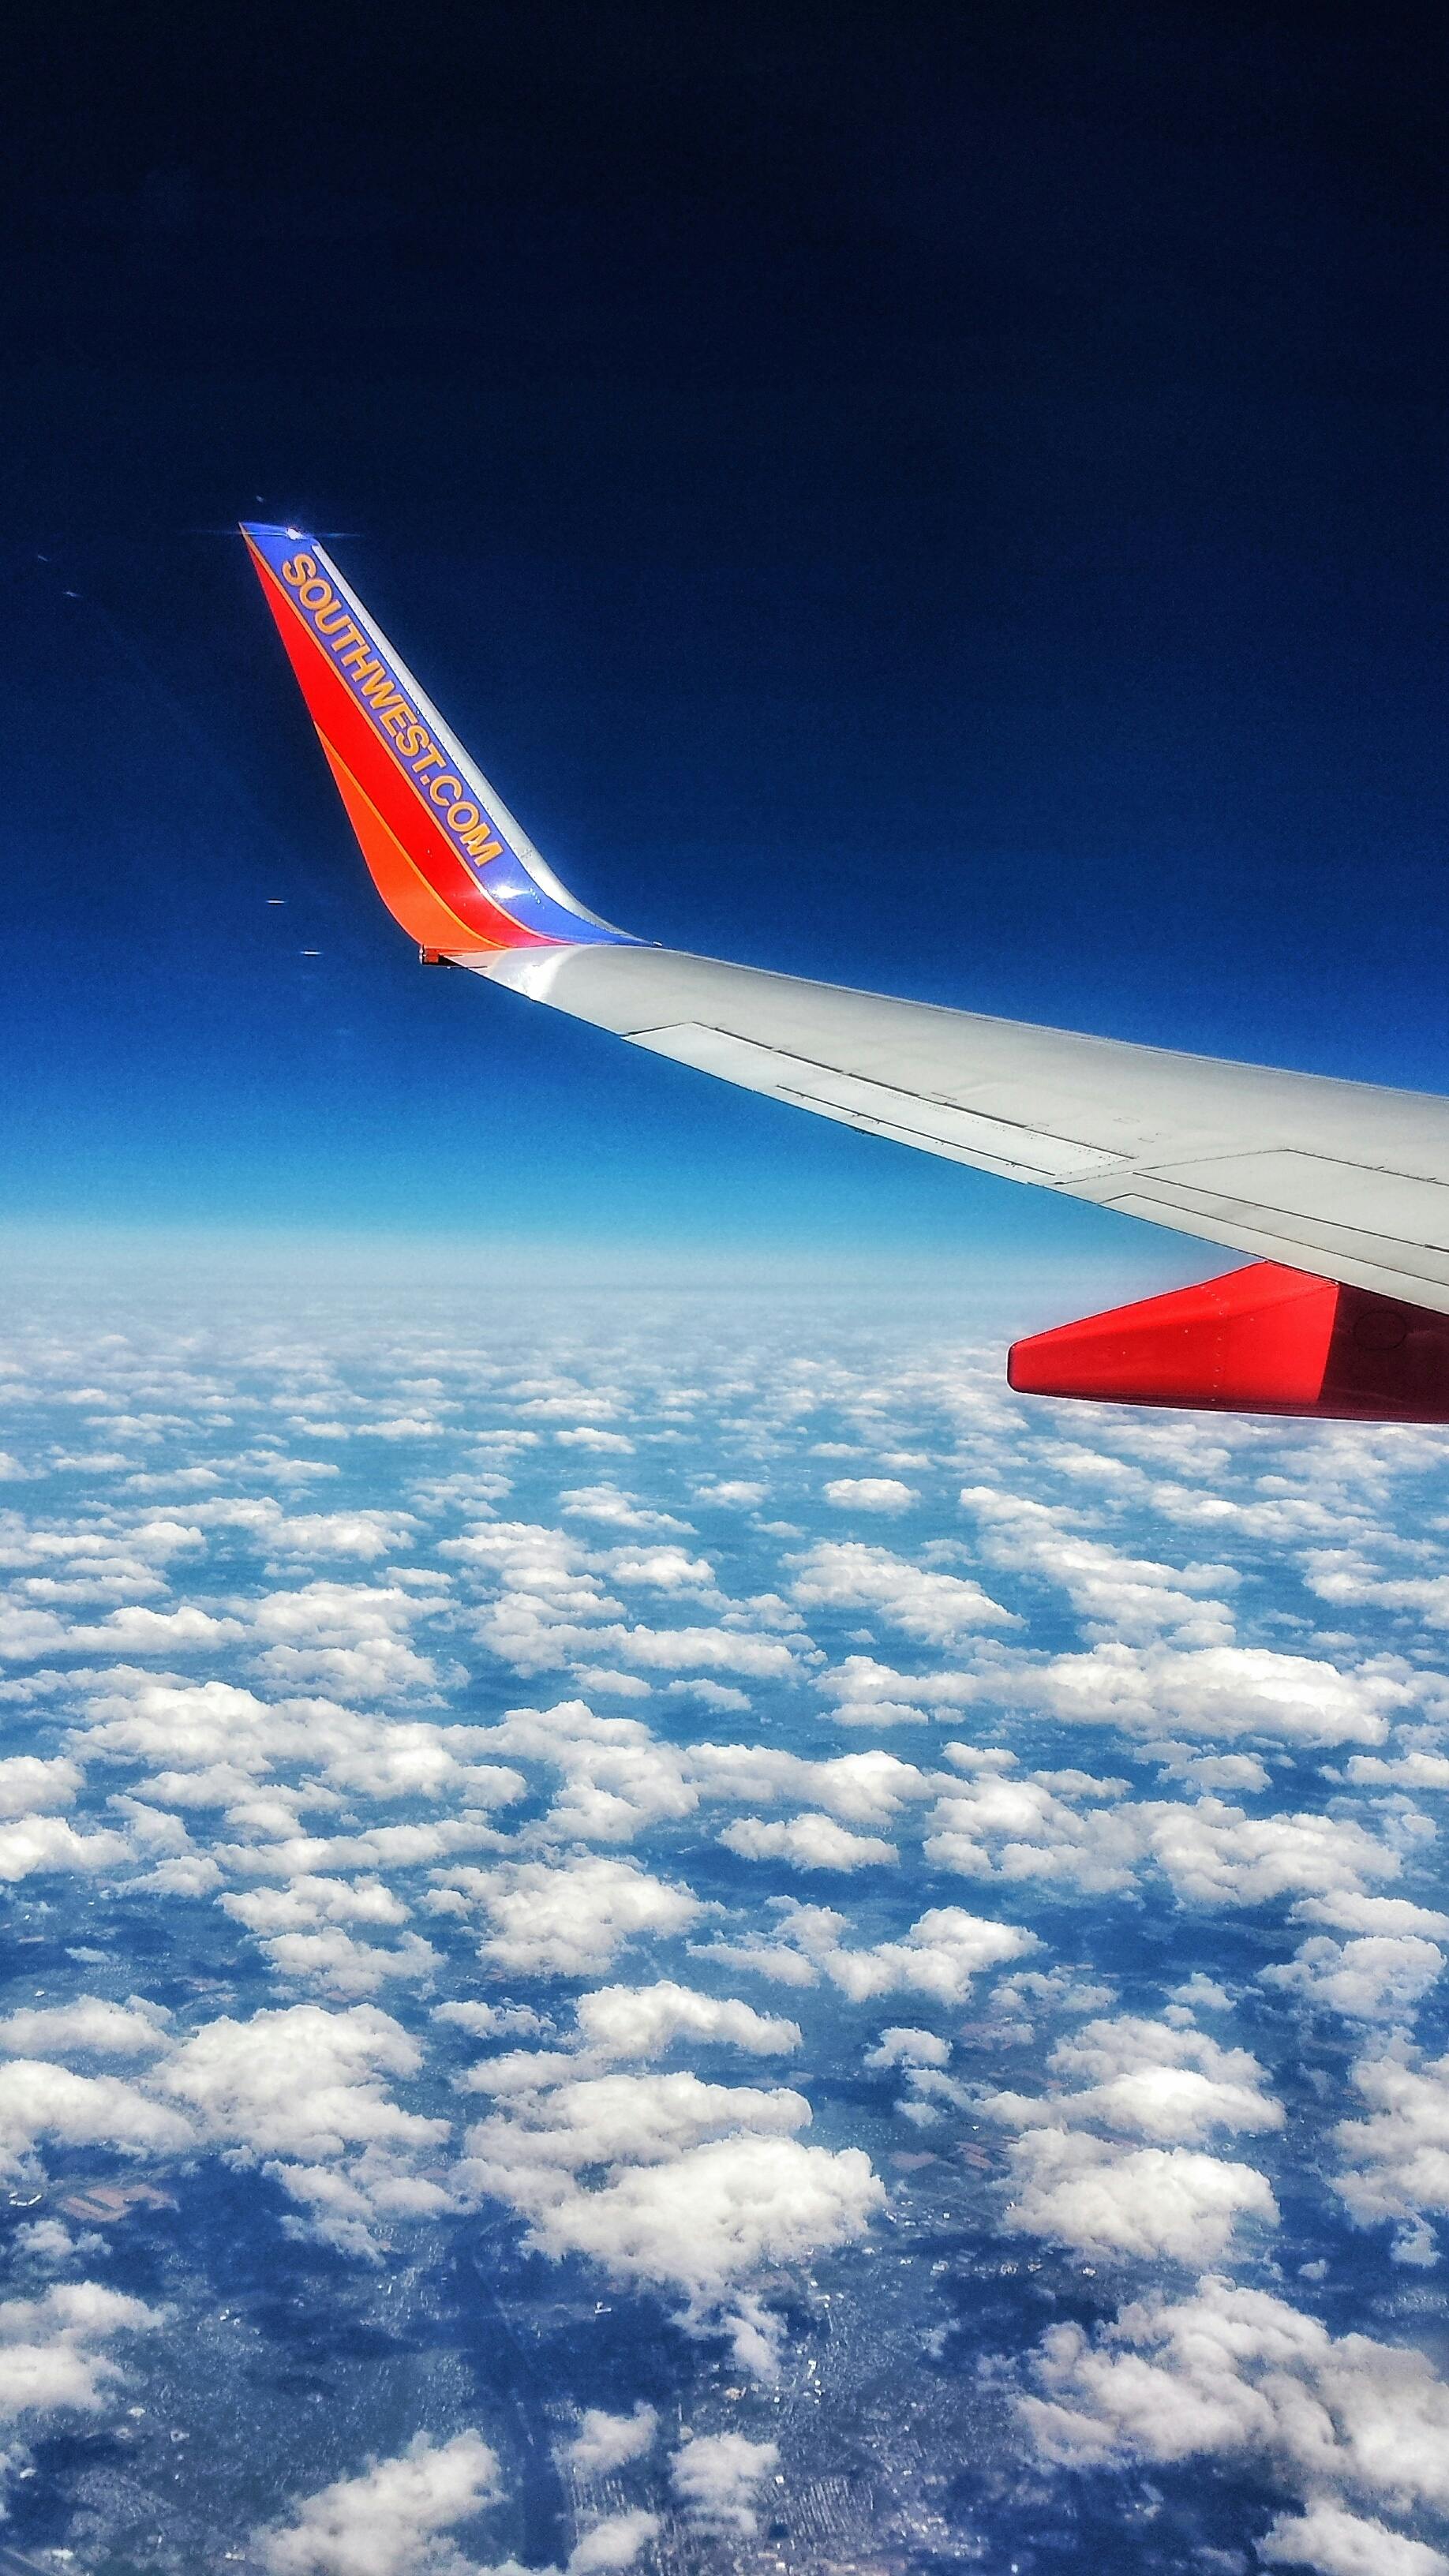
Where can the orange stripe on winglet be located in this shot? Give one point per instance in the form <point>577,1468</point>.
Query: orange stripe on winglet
<point>401,884</point>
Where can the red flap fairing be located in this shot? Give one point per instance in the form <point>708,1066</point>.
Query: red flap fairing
<point>1260,1340</point>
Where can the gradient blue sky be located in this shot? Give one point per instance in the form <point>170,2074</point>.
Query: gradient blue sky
<point>950,501</point>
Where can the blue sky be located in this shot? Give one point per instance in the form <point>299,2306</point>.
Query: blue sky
<point>954,509</point>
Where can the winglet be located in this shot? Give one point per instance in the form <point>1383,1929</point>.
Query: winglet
<point>447,857</point>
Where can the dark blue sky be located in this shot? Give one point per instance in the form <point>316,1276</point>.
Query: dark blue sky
<point>952,500</point>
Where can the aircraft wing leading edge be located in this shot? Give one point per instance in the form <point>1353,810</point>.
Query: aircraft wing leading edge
<point>1340,1190</point>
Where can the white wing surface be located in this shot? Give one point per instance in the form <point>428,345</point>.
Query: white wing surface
<point>1342,1179</point>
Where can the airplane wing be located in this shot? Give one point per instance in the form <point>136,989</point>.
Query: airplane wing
<point>1339,1190</point>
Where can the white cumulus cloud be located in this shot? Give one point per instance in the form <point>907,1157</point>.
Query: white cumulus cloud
<point>54,2350</point>
<point>938,1609</point>
<point>806,1842</point>
<point>604,2442</point>
<point>571,1919</point>
<point>716,2477</point>
<point>1235,2373</point>
<point>392,2519</point>
<point>870,1494</point>
<point>643,2021</point>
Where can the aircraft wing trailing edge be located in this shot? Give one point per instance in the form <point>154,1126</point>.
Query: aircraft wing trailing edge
<point>1339,1190</point>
